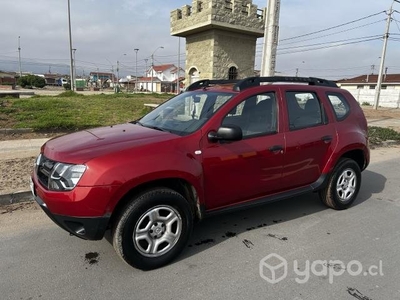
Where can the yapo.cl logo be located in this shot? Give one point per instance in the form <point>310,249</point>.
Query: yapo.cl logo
<point>273,268</point>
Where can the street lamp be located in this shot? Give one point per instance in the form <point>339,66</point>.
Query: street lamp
<point>71,67</point>
<point>118,68</point>
<point>74,65</point>
<point>112,75</point>
<point>152,66</point>
<point>136,81</point>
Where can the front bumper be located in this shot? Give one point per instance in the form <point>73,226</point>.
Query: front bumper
<point>86,228</point>
<point>81,221</point>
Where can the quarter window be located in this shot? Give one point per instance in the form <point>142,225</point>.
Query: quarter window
<point>339,105</point>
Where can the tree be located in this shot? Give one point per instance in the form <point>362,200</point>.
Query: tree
<point>31,80</point>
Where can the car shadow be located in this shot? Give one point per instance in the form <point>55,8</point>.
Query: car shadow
<point>214,230</point>
<point>372,183</point>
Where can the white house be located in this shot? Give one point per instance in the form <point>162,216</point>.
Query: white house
<point>163,77</point>
<point>363,89</point>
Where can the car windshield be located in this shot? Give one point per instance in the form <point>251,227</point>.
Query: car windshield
<point>186,112</point>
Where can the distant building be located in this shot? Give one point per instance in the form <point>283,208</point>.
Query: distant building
<point>8,78</point>
<point>369,82</point>
<point>165,78</point>
<point>363,88</point>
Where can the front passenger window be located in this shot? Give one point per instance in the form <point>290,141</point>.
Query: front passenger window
<point>256,115</point>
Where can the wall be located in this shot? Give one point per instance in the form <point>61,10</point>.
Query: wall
<point>388,98</point>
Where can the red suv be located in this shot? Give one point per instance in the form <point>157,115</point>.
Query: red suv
<point>217,147</point>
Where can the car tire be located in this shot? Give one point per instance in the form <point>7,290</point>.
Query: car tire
<point>343,186</point>
<point>153,229</point>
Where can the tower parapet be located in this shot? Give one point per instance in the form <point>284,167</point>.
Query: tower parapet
<point>221,37</point>
<point>234,15</point>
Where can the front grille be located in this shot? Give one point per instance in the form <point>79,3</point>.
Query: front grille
<point>44,169</point>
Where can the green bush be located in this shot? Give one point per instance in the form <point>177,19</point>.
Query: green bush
<point>31,80</point>
<point>377,135</point>
<point>67,86</point>
<point>365,104</point>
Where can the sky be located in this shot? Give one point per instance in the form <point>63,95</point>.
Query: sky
<point>105,32</point>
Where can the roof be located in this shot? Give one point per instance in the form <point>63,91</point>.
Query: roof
<point>175,70</point>
<point>147,79</point>
<point>101,74</point>
<point>372,79</point>
<point>162,68</point>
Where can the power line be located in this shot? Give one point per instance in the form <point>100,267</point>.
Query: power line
<point>334,33</point>
<point>332,46</point>
<point>330,42</point>
<point>397,23</point>
<point>333,27</point>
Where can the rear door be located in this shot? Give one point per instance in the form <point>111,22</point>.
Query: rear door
<point>310,137</point>
<point>252,167</point>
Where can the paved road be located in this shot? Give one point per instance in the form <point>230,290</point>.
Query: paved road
<point>40,261</point>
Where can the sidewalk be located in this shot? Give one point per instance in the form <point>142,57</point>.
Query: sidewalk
<point>20,148</point>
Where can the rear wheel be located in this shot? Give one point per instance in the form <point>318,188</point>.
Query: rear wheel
<point>153,229</point>
<point>343,185</point>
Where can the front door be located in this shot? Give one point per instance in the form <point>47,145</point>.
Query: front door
<point>243,170</point>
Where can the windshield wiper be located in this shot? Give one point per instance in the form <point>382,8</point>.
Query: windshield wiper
<point>137,122</point>
<point>155,127</point>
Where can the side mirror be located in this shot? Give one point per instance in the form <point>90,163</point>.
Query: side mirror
<point>226,133</point>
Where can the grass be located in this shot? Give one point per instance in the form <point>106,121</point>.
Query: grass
<point>71,111</point>
<point>377,135</point>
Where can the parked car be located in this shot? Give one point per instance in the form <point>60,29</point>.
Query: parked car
<point>217,147</point>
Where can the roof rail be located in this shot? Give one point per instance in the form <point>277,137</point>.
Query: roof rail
<point>207,82</point>
<point>255,81</point>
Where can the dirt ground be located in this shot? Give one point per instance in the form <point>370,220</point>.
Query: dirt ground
<point>381,113</point>
<point>14,174</point>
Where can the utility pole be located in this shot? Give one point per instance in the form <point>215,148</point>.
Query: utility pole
<point>118,73</point>
<point>152,66</point>
<point>145,73</point>
<point>19,56</point>
<point>178,84</point>
<point>271,34</point>
<point>385,40</point>
<point>71,67</point>
<point>136,81</point>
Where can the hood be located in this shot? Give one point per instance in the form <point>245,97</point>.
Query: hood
<point>82,146</point>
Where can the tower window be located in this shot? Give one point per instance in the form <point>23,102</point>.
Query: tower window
<point>232,74</point>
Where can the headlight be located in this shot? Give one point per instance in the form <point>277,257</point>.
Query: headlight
<point>65,177</point>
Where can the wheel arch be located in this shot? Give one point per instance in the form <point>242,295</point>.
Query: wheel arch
<point>179,185</point>
<point>358,156</point>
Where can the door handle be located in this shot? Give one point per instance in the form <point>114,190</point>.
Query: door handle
<point>276,148</point>
<point>327,139</point>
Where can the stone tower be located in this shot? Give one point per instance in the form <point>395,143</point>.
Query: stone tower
<point>221,37</point>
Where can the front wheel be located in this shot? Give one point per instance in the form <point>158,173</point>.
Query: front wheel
<point>153,229</point>
<point>343,185</point>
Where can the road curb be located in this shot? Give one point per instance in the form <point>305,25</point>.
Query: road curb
<point>7,131</point>
<point>17,197</point>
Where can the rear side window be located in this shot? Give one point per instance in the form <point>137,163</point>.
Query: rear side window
<point>339,105</point>
<point>304,110</point>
